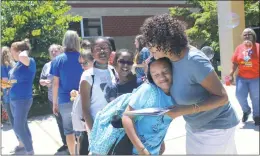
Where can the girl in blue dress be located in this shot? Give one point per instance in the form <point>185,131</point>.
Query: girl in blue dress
<point>145,133</point>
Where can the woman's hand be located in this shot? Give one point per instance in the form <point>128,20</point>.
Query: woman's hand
<point>55,109</point>
<point>180,110</point>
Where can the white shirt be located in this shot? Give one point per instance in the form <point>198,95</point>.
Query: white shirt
<point>104,88</point>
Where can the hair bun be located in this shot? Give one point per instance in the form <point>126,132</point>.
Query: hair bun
<point>26,40</point>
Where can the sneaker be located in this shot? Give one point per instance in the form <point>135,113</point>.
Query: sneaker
<point>18,149</point>
<point>257,120</point>
<point>62,148</point>
<point>245,117</point>
<point>30,153</point>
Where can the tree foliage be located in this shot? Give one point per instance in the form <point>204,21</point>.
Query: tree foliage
<point>204,22</point>
<point>43,22</point>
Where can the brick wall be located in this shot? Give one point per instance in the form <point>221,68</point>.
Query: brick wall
<point>122,25</point>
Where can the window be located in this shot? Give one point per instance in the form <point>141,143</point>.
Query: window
<point>88,27</point>
<point>76,27</point>
<point>92,27</point>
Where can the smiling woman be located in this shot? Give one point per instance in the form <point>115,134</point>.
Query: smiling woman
<point>123,63</point>
<point>201,98</point>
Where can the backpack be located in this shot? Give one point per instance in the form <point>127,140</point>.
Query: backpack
<point>103,135</point>
<point>78,121</point>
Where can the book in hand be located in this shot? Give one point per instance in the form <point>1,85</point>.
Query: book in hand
<point>148,112</point>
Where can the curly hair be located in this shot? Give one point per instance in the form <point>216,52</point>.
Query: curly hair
<point>166,33</point>
<point>6,58</point>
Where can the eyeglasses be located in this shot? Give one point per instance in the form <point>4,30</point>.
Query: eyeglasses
<point>103,48</point>
<point>121,61</point>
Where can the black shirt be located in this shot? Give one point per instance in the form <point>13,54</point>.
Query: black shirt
<point>127,87</point>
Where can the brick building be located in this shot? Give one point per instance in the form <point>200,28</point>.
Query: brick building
<point>119,19</point>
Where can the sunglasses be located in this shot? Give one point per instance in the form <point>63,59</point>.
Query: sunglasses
<point>125,62</point>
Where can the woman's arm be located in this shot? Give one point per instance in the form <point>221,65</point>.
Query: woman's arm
<point>131,133</point>
<point>217,98</point>
<point>233,70</point>
<point>85,101</point>
<point>23,57</point>
<point>55,88</point>
<point>138,65</point>
<point>42,82</point>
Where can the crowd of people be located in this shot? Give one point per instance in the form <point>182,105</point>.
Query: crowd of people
<point>105,84</point>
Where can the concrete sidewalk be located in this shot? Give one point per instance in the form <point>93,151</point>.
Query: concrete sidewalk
<point>46,138</point>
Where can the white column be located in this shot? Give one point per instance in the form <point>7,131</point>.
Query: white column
<point>231,22</point>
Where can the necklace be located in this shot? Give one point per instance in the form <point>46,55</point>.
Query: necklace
<point>101,66</point>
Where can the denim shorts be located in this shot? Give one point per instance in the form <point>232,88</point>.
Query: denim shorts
<point>65,111</point>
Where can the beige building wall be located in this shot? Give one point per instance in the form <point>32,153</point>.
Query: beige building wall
<point>229,37</point>
<point>99,12</point>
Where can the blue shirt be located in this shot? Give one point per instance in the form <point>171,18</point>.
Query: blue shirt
<point>144,54</point>
<point>151,130</point>
<point>188,73</point>
<point>66,66</point>
<point>24,75</point>
<point>5,70</point>
<point>4,74</point>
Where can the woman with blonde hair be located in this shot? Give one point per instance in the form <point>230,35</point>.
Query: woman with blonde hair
<point>142,54</point>
<point>6,65</point>
<point>21,98</point>
<point>67,72</point>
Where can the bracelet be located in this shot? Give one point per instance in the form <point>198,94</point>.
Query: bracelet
<point>195,107</point>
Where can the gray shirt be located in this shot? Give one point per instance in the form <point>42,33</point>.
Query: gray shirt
<point>188,73</point>
<point>45,74</point>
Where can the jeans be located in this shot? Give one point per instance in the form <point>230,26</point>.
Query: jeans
<point>60,125</point>
<point>20,110</point>
<point>6,98</point>
<point>245,87</point>
<point>65,111</point>
<point>9,113</point>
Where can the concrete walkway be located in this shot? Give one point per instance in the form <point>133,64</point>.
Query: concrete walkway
<point>46,138</point>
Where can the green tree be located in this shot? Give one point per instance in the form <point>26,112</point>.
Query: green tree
<point>43,22</point>
<point>204,22</point>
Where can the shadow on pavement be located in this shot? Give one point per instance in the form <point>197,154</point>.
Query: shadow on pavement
<point>250,125</point>
<point>62,153</point>
<point>41,118</point>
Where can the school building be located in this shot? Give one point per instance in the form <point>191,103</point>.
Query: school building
<point>118,19</point>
